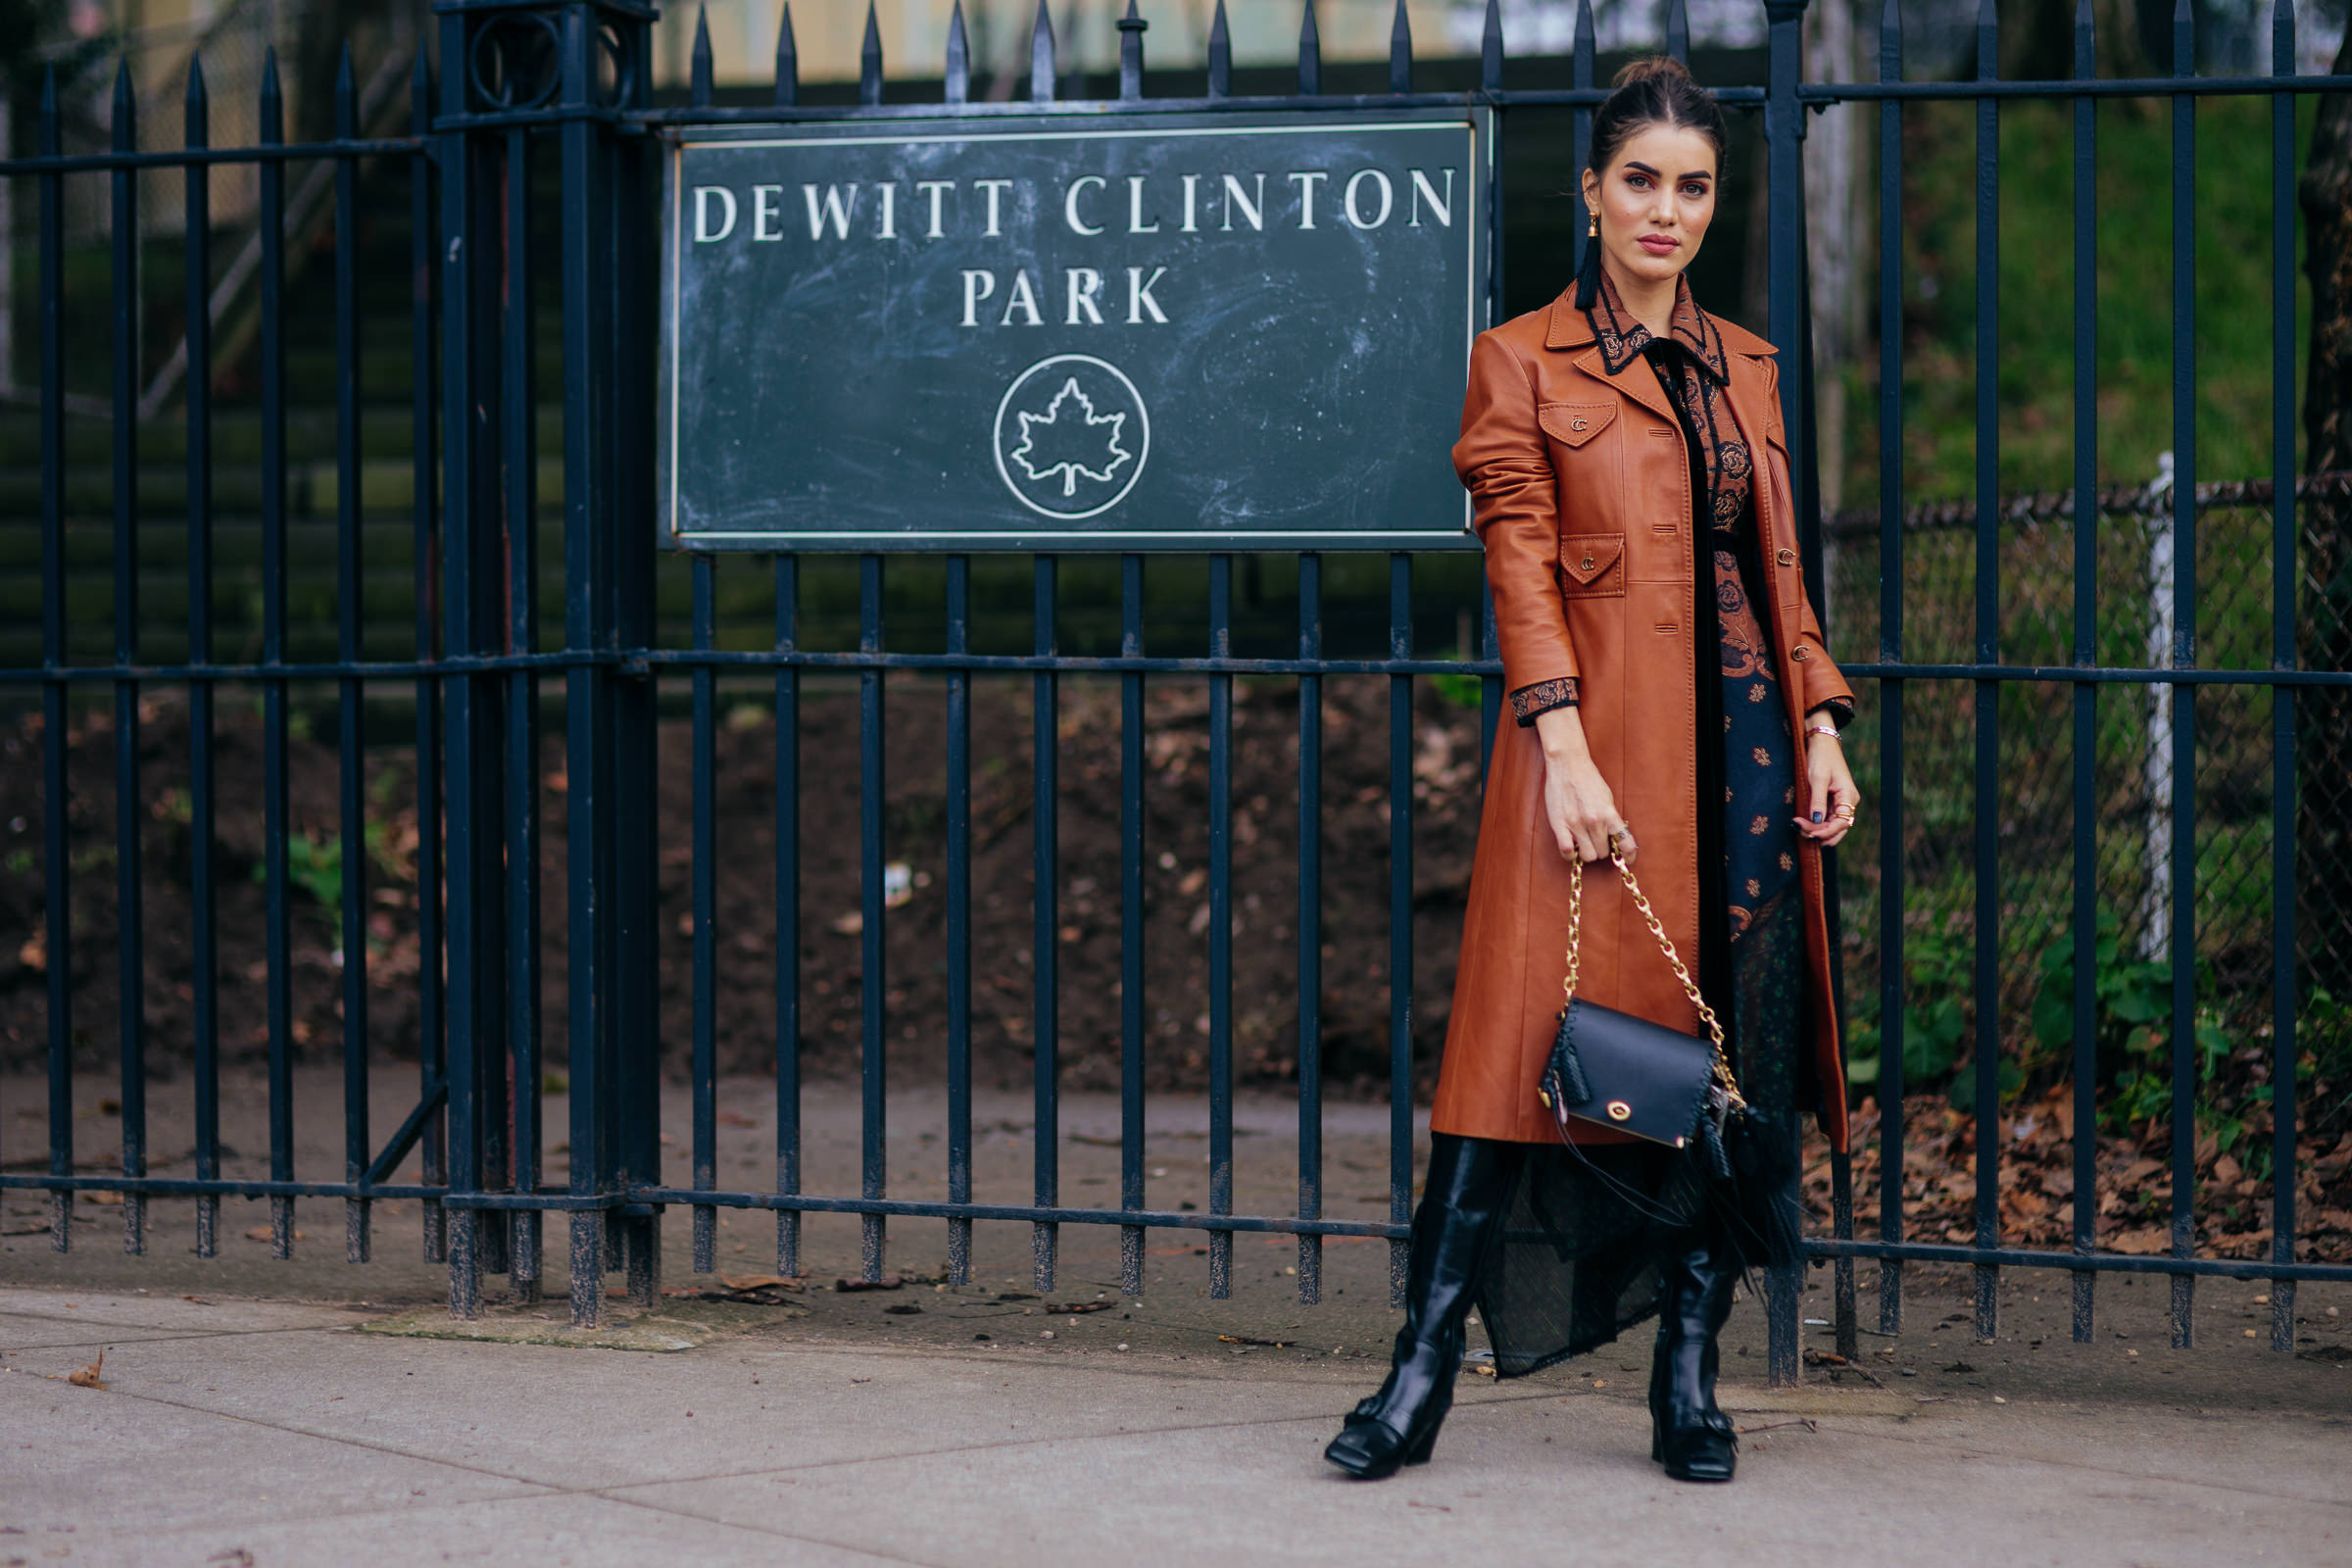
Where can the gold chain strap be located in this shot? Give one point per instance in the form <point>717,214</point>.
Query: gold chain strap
<point>1576,921</point>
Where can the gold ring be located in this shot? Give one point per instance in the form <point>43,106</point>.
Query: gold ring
<point>1846,810</point>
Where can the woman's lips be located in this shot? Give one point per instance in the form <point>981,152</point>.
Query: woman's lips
<point>1659,244</point>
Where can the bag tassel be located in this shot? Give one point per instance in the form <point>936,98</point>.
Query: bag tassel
<point>1572,1088</point>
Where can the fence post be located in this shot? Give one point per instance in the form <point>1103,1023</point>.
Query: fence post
<point>1784,129</point>
<point>471,1008</point>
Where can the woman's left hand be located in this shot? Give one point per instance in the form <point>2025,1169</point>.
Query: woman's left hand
<point>1832,801</point>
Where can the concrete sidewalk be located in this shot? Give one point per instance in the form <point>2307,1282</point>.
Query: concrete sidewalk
<point>822,1432</point>
<point>267,1412</point>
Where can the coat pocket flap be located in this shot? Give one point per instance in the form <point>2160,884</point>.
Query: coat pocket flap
<point>1584,557</point>
<point>1575,423</point>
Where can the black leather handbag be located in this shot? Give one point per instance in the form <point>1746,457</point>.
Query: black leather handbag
<point>1626,1074</point>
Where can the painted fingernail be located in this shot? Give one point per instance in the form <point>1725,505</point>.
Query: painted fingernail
<point>1816,816</point>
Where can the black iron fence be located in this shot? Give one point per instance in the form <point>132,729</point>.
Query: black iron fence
<point>451,810</point>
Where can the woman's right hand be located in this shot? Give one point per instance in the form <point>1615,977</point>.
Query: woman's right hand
<point>1577,800</point>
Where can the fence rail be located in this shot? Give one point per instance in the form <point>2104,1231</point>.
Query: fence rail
<point>548,105</point>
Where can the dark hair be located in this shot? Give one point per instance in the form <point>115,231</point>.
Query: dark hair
<point>1654,91</point>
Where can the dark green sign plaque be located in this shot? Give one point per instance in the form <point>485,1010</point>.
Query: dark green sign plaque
<point>1163,331</point>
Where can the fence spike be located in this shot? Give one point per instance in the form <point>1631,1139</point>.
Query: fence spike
<point>347,96</point>
<point>1400,51</point>
<point>126,101</point>
<point>1310,54</point>
<point>1678,31</point>
<point>2184,39</point>
<point>959,58</point>
<point>869,59</point>
<point>1988,41</point>
<point>1890,40</point>
<point>273,100</point>
<point>702,59</point>
<point>1220,55</point>
<point>2085,39</point>
<point>2282,38</point>
<point>788,63</point>
<point>1489,49</point>
<point>199,101</point>
<point>1041,56</point>
<point>1586,47</point>
<point>1132,28</point>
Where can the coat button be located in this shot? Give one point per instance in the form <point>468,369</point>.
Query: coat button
<point>1579,424</point>
<point>1799,654</point>
<point>1588,564</point>
<point>1786,558</point>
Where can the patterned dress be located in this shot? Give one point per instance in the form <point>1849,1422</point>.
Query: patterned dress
<point>1579,1259</point>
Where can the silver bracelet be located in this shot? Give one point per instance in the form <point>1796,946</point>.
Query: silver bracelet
<point>1823,728</point>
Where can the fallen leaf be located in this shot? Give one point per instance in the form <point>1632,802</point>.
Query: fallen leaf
<point>764,1282</point>
<point>1244,1339</point>
<point>88,1376</point>
<point>888,1282</point>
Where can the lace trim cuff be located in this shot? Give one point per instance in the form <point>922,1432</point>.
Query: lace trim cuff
<point>1839,710</point>
<point>1528,702</point>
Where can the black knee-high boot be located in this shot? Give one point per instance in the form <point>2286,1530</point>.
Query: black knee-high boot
<point>1689,1432</point>
<point>1454,1231</point>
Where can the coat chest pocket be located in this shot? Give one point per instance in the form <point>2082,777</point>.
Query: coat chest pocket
<point>1593,566</point>
<point>1573,424</point>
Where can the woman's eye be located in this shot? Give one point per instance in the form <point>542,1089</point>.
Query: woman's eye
<point>1637,181</point>
<point>1695,191</point>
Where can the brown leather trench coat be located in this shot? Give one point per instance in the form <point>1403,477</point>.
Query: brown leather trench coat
<point>1581,488</point>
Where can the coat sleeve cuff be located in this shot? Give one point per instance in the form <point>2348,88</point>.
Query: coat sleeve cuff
<point>1529,703</point>
<point>1841,711</point>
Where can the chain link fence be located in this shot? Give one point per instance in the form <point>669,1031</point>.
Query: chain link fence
<point>2234,783</point>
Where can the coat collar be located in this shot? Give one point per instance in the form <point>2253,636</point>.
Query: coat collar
<point>1572,328</point>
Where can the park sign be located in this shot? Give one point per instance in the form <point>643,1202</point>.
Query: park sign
<point>1150,331</point>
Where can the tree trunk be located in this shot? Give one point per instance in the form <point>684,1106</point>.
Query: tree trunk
<point>2324,754</point>
<point>1839,227</point>
<point>2038,39</point>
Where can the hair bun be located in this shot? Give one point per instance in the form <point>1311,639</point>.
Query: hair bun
<point>1650,67</point>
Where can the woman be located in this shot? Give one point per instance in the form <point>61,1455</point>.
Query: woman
<point>1621,446</point>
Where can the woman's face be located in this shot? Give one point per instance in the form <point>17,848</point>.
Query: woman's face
<point>1655,201</point>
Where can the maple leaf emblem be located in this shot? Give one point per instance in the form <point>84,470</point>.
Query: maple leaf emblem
<point>1084,444</point>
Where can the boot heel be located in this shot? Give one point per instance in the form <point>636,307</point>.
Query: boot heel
<point>1420,1451</point>
<point>1657,1442</point>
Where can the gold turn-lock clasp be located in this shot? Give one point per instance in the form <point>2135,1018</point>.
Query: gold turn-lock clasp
<point>1588,564</point>
<point>1786,558</point>
<point>1619,1110</point>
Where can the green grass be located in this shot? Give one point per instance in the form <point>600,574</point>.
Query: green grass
<point>2232,335</point>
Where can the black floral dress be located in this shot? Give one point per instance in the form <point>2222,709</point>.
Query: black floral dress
<point>1581,1254</point>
